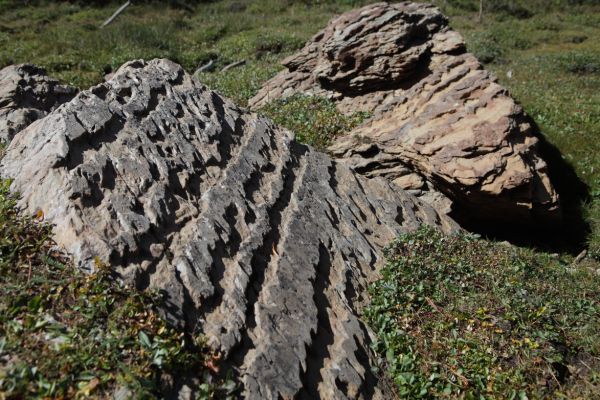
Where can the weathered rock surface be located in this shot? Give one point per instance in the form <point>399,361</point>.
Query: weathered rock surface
<point>442,126</point>
<point>27,94</point>
<point>260,242</point>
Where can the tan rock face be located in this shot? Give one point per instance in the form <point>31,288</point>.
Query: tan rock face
<point>438,117</point>
<point>261,243</point>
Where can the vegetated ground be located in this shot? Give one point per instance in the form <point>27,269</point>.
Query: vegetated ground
<point>455,317</point>
<point>460,317</point>
<point>67,334</point>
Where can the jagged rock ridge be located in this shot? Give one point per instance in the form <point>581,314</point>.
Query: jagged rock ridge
<point>27,94</point>
<point>442,127</point>
<point>260,242</point>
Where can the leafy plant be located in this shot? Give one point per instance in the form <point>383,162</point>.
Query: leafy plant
<point>580,63</point>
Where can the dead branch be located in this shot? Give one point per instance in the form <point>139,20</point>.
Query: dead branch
<point>116,14</point>
<point>205,67</point>
<point>183,5</point>
<point>233,65</point>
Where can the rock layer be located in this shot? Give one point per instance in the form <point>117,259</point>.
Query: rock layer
<point>27,94</point>
<point>259,242</point>
<point>442,126</point>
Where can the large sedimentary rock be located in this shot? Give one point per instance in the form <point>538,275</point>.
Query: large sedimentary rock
<point>440,121</point>
<point>260,242</point>
<point>27,94</point>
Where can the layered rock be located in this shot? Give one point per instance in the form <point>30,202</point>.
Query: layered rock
<point>442,126</point>
<point>27,94</point>
<point>259,242</point>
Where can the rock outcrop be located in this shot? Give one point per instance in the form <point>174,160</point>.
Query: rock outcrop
<point>442,126</point>
<point>27,94</point>
<point>259,242</point>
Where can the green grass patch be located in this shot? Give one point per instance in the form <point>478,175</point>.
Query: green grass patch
<point>460,317</point>
<point>66,334</point>
<point>315,120</point>
<point>66,38</point>
<point>240,84</point>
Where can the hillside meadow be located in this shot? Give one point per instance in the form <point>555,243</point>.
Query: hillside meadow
<point>532,332</point>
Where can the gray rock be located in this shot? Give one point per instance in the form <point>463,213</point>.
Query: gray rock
<point>27,94</point>
<point>261,243</point>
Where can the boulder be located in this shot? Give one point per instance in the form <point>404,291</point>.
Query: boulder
<point>441,126</point>
<point>259,242</point>
<point>27,94</point>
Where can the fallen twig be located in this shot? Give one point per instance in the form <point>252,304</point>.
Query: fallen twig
<point>580,257</point>
<point>205,67</point>
<point>116,14</point>
<point>233,65</point>
<point>435,307</point>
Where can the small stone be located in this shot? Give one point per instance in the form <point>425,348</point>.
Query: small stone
<point>123,393</point>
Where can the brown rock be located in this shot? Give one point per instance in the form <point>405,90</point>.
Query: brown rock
<point>436,112</point>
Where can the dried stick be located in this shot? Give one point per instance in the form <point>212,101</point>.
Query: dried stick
<point>205,67</point>
<point>116,14</point>
<point>233,65</point>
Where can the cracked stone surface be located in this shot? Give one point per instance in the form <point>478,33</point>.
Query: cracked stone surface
<point>442,127</point>
<point>27,94</point>
<point>261,243</point>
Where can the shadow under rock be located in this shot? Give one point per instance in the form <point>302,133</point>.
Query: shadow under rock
<point>568,235</point>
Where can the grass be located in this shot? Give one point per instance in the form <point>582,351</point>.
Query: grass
<point>460,317</point>
<point>313,119</point>
<point>65,38</point>
<point>455,317</point>
<point>66,334</point>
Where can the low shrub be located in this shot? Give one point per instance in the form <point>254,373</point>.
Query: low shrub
<point>315,120</point>
<point>580,63</point>
<point>485,47</point>
<point>461,317</point>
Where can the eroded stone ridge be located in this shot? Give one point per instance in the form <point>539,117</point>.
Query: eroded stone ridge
<point>442,127</point>
<point>260,242</point>
<point>27,94</point>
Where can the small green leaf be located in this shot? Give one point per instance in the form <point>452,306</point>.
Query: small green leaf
<point>145,340</point>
